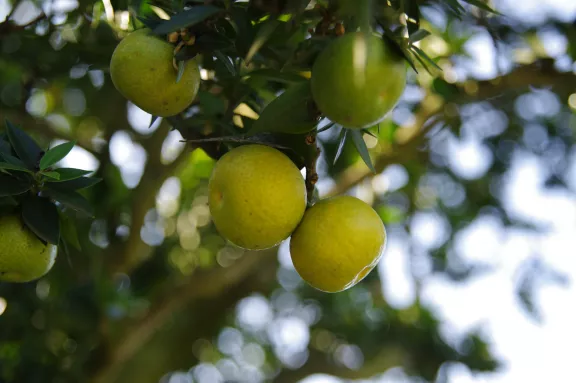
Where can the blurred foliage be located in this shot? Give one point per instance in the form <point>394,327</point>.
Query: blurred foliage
<point>156,290</point>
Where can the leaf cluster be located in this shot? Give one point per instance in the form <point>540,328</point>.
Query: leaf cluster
<point>44,195</point>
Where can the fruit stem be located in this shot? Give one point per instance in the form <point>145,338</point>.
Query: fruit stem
<point>311,173</point>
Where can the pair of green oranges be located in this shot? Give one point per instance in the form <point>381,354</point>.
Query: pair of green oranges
<point>257,199</point>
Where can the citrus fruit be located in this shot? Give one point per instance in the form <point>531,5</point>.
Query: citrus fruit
<point>142,71</point>
<point>23,256</point>
<point>339,241</point>
<point>257,196</point>
<point>357,79</point>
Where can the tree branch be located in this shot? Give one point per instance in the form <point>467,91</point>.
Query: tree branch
<point>206,284</point>
<point>134,250</point>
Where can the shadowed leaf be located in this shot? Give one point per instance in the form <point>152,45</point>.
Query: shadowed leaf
<point>41,216</point>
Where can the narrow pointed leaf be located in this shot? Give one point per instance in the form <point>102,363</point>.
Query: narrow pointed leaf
<point>25,147</point>
<point>75,184</point>
<point>186,19</point>
<point>181,68</point>
<point>13,186</point>
<point>8,158</point>
<point>482,5</point>
<point>5,147</point>
<point>422,54</point>
<point>53,175</point>
<point>55,154</point>
<point>69,231</point>
<point>152,121</point>
<point>18,168</point>
<point>71,199</point>
<point>67,174</point>
<point>343,137</point>
<point>420,34</point>
<point>226,61</point>
<point>362,149</point>
<point>266,29</point>
<point>41,216</point>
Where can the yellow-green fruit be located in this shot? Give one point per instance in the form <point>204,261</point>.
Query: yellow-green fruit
<point>339,241</point>
<point>142,71</point>
<point>257,196</point>
<point>356,81</point>
<point>23,257</point>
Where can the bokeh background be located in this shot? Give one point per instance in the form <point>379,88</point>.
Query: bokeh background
<point>477,282</point>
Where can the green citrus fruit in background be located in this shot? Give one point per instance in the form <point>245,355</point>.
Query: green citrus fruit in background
<point>257,196</point>
<point>339,241</point>
<point>142,71</point>
<point>357,81</point>
<point>23,256</point>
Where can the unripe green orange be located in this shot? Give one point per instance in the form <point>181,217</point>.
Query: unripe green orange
<point>23,256</point>
<point>357,80</point>
<point>339,241</point>
<point>257,196</point>
<point>141,69</point>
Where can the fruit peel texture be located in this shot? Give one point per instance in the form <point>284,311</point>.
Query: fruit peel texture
<point>339,241</point>
<point>257,196</point>
<point>23,257</point>
<point>141,69</point>
<point>357,81</point>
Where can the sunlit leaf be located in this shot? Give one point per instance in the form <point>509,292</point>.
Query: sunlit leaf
<point>55,154</point>
<point>181,68</point>
<point>362,149</point>
<point>342,141</point>
<point>186,19</point>
<point>264,32</point>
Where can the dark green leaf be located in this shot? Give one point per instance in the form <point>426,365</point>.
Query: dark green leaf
<point>211,104</point>
<point>13,160</point>
<point>67,174</point>
<point>150,23</point>
<point>362,149</point>
<point>226,61</point>
<point>71,199</point>
<point>181,68</point>
<point>368,132</point>
<point>419,35</point>
<point>342,138</point>
<point>75,184</point>
<point>5,147</point>
<point>53,175</point>
<point>455,7</point>
<point>55,154</point>
<point>482,5</point>
<point>264,32</point>
<point>243,27</point>
<point>69,231</point>
<point>25,147</point>
<point>18,168</point>
<point>423,55</point>
<point>186,19</point>
<point>13,186</point>
<point>41,216</point>
<point>276,76</point>
<point>413,12</point>
<point>392,41</point>
<point>291,112</point>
